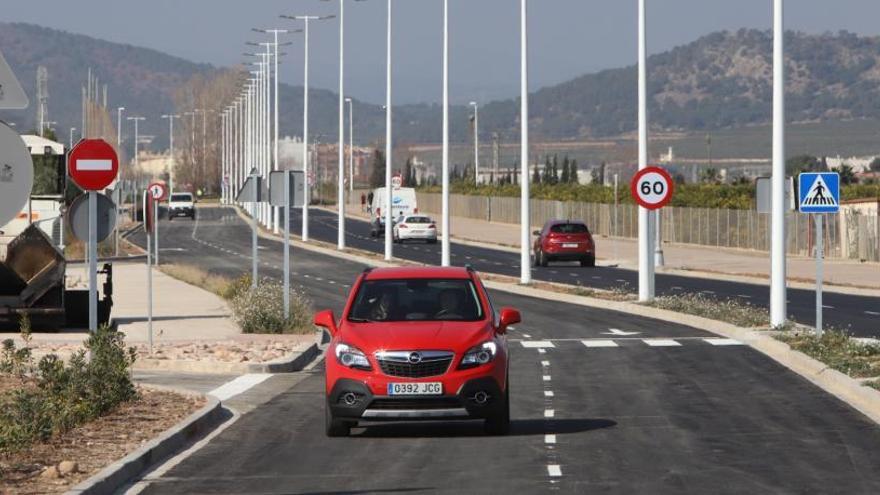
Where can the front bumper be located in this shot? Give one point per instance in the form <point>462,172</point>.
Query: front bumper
<point>181,212</point>
<point>411,236</point>
<point>352,399</point>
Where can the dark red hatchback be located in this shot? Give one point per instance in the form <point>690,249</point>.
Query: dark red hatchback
<point>564,240</point>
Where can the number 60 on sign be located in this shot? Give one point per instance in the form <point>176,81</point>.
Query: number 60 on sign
<point>652,188</point>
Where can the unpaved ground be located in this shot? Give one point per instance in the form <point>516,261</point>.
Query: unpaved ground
<point>91,447</point>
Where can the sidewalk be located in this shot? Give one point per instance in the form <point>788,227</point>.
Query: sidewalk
<point>702,260</point>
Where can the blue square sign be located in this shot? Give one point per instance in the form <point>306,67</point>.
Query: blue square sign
<point>819,192</point>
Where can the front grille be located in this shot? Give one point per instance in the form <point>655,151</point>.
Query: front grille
<point>415,404</point>
<point>433,363</point>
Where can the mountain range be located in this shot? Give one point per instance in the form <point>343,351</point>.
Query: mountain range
<point>722,80</point>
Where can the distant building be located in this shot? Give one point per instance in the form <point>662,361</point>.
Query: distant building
<point>858,163</point>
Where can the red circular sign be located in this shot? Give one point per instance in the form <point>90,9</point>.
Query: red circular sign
<point>652,188</point>
<point>93,164</point>
<point>158,191</point>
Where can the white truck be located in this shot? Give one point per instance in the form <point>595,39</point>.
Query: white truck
<point>403,202</point>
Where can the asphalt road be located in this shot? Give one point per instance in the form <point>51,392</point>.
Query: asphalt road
<point>607,402</point>
<point>860,315</point>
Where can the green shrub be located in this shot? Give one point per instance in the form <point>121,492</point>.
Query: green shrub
<point>236,287</point>
<point>59,397</point>
<point>261,309</point>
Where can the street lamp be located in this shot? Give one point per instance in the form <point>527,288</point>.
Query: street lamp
<point>445,225</point>
<point>646,239</point>
<point>524,258</point>
<point>306,189</point>
<point>476,142</point>
<point>350,144</point>
<point>171,118</point>
<point>388,144</point>
<point>72,129</point>
<point>777,255</point>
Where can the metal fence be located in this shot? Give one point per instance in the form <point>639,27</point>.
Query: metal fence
<point>849,235</point>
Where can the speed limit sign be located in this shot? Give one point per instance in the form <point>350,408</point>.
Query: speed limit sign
<point>652,188</point>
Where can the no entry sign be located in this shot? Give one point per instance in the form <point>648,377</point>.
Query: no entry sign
<point>652,188</point>
<point>93,164</point>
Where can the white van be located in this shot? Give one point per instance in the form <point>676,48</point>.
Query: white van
<point>403,202</point>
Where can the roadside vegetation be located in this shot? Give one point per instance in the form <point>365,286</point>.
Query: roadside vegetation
<point>42,399</point>
<point>733,311</point>
<point>257,310</point>
<point>839,351</point>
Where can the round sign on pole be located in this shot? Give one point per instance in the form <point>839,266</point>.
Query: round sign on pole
<point>652,188</point>
<point>93,164</point>
<point>78,217</point>
<point>396,182</point>
<point>158,191</point>
<point>16,174</point>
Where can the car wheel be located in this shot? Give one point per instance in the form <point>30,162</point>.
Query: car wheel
<point>335,427</point>
<point>170,218</point>
<point>543,258</point>
<point>500,423</point>
<point>589,261</point>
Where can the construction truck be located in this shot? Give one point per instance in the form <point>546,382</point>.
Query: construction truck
<point>33,268</point>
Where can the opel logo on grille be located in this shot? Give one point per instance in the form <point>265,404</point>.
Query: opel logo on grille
<point>415,358</point>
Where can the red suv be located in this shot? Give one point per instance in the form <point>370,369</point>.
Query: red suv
<point>564,240</point>
<point>414,344</point>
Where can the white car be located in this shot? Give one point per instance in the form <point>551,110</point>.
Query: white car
<point>415,228</point>
<point>181,205</point>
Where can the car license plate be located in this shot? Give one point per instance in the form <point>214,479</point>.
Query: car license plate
<point>418,231</point>
<point>570,246</point>
<point>433,388</point>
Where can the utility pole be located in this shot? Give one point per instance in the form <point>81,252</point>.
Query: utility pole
<point>389,149</point>
<point>445,247</point>
<point>646,266</point>
<point>350,144</point>
<point>171,118</point>
<point>476,142</point>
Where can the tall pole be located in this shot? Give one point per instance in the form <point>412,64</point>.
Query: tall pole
<point>171,118</point>
<point>476,142</point>
<point>388,145</point>
<point>119,198</point>
<point>350,144</point>
<point>340,182</point>
<point>444,257</point>
<point>525,213</point>
<point>93,261</point>
<point>646,266</point>
<point>306,174</point>
<point>777,257</point>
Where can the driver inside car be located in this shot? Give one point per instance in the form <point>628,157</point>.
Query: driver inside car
<point>450,305</point>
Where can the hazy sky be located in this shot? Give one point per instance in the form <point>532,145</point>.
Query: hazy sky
<point>568,37</point>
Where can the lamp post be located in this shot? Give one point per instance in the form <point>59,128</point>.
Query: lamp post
<point>476,142</point>
<point>137,121</point>
<point>777,255</point>
<point>171,118</point>
<point>306,188</point>
<point>445,225</point>
<point>525,214</point>
<point>350,144</point>
<point>72,130</point>
<point>389,159</point>
<point>646,239</point>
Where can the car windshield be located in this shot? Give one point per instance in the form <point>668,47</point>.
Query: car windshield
<point>569,228</point>
<point>182,198</point>
<point>418,220</point>
<point>416,300</point>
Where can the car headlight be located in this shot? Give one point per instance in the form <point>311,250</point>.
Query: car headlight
<point>479,355</point>
<point>352,357</point>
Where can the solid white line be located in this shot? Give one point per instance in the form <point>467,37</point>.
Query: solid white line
<point>537,344</point>
<point>554,470</point>
<point>549,413</point>
<point>661,342</point>
<point>548,393</point>
<point>599,343</point>
<point>239,385</point>
<point>722,342</point>
<point>549,438</point>
<point>874,313</point>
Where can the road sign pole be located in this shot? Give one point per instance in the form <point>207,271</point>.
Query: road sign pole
<point>286,245</point>
<point>646,267</point>
<point>156,227</point>
<point>93,261</point>
<point>820,272</point>
<point>778,310</point>
<point>254,228</point>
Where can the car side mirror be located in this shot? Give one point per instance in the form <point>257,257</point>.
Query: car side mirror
<point>325,319</point>
<point>537,232</point>
<point>509,316</point>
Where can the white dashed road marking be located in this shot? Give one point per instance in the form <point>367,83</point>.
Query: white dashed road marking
<point>661,342</point>
<point>599,343</point>
<point>546,378</point>
<point>554,470</point>
<point>548,393</point>
<point>549,413</point>
<point>721,342</point>
<point>239,385</point>
<point>550,439</point>
<point>537,344</point>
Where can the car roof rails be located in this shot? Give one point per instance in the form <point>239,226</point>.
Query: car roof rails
<point>469,268</point>
<point>368,269</point>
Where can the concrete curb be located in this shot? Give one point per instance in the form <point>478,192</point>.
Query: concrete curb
<point>116,475</point>
<point>289,364</point>
<point>864,399</point>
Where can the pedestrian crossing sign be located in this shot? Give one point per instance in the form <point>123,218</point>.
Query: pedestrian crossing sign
<point>819,192</point>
